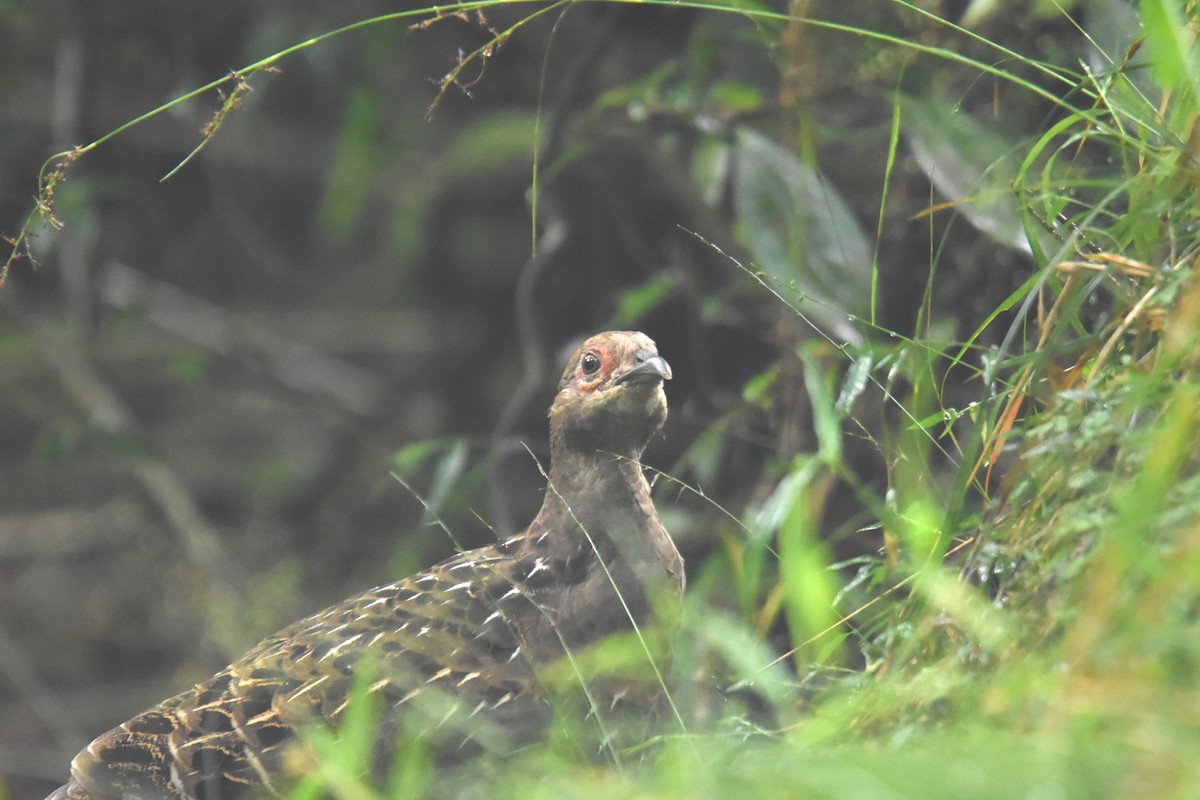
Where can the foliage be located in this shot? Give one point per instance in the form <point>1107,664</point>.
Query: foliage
<point>1063,635</point>
<point>1010,604</point>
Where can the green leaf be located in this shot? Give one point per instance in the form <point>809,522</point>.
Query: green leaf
<point>446,476</point>
<point>1170,42</point>
<point>774,510</point>
<point>971,164</point>
<point>706,454</point>
<point>809,587</point>
<point>355,166</point>
<point>802,235</point>
<point>635,303</point>
<point>408,458</point>
<point>736,96</point>
<point>747,655</point>
<point>857,378</point>
<point>640,91</point>
<point>757,390</point>
<point>495,142</point>
<point>827,419</point>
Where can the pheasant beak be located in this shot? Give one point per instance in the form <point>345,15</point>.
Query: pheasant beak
<point>650,368</point>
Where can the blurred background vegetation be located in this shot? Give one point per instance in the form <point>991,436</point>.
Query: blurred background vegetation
<point>922,271</point>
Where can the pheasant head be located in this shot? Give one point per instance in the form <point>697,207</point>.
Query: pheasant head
<point>610,398</point>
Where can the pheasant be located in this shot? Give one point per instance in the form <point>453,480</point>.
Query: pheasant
<point>454,652</point>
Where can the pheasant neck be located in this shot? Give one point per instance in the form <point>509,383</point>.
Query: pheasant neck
<point>596,485</point>
<point>600,503</point>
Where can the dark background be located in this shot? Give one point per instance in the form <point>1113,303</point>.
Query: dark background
<point>205,382</point>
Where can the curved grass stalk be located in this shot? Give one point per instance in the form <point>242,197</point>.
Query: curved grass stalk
<point>54,168</point>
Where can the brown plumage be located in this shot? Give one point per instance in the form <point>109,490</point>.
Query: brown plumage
<point>457,652</point>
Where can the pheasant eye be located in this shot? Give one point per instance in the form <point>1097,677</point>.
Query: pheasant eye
<point>590,363</point>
